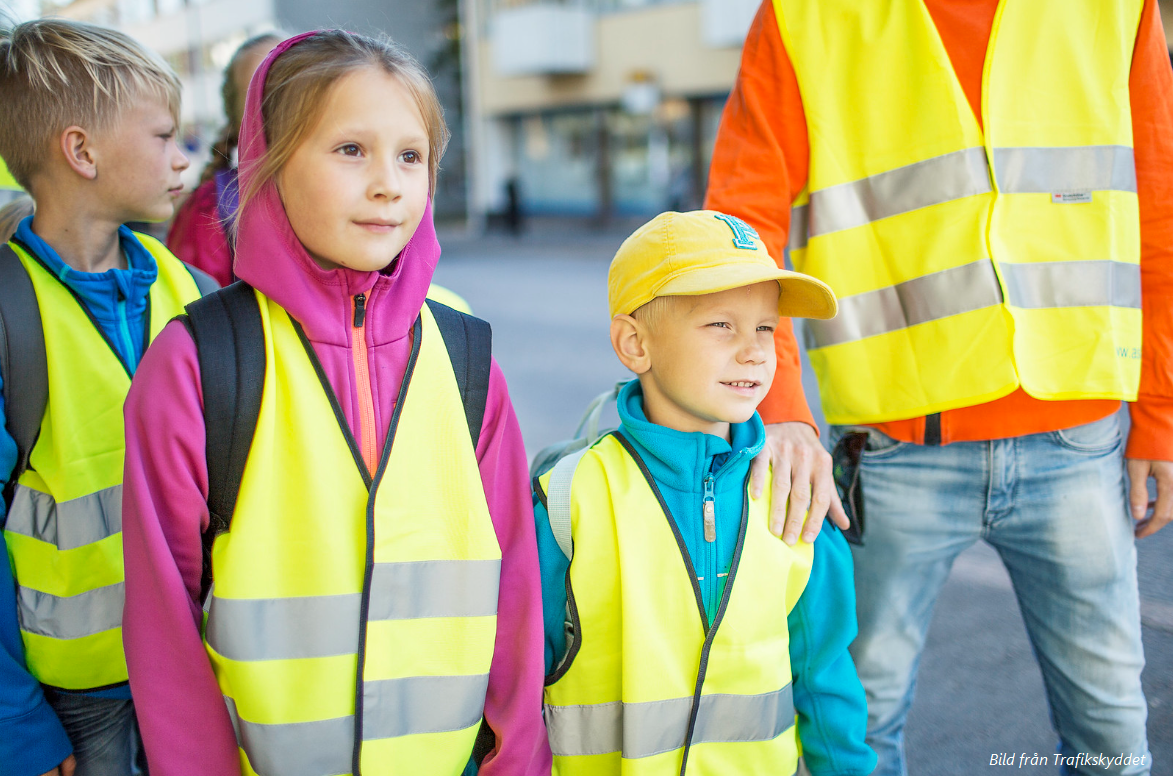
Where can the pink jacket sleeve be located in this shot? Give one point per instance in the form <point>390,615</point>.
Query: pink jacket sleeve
<point>164,510</point>
<point>513,707</point>
<point>180,708</point>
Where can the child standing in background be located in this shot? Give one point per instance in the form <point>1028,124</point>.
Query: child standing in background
<point>88,128</point>
<point>199,233</point>
<point>376,592</point>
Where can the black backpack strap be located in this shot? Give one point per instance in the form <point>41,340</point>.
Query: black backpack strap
<point>230,341</point>
<point>469,341</point>
<point>205,283</point>
<point>23,365</point>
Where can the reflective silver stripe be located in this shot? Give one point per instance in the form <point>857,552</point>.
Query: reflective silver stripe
<point>647,729</point>
<point>920,300</point>
<point>391,708</point>
<point>318,748</point>
<point>422,704</point>
<point>284,628</point>
<point>85,614</point>
<point>744,717</point>
<point>320,626</point>
<point>929,182</point>
<point>67,524</point>
<point>1072,169</point>
<point>435,588</point>
<point>1073,284</point>
<point>799,226</point>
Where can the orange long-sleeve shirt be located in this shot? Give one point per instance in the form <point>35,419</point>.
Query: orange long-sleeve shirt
<point>761,163</point>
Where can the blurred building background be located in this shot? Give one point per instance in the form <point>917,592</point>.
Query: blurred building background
<point>590,109</point>
<point>596,107</point>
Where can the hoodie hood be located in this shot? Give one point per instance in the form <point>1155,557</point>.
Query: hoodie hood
<point>270,258</point>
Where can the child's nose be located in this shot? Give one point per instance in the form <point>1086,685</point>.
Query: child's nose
<point>385,182</point>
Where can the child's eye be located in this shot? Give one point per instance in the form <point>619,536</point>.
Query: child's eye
<point>721,324</point>
<point>350,149</point>
<point>411,157</point>
<point>766,327</point>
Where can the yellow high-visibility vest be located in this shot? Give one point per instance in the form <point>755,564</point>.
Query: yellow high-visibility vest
<point>968,263</point>
<point>64,527</point>
<point>332,578</point>
<point>647,682</point>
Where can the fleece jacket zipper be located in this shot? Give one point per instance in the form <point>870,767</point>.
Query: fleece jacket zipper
<point>362,377</point>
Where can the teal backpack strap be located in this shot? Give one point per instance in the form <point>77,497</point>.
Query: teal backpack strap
<point>23,364</point>
<point>558,500</point>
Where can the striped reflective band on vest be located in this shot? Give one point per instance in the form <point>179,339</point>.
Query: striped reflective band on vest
<point>68,525</point>
<point>391,708</point>
<point>651,728</point>
<point>975,286</point>
<point>321,626</point>
<point>961,174</point>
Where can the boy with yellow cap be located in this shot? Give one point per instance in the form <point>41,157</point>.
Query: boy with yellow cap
<point>681,635</point>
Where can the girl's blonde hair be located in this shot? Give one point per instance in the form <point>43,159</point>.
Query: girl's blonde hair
<point>299,81</point>
<point>230,93</point>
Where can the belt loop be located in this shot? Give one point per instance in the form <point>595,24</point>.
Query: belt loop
<point>933,430</point>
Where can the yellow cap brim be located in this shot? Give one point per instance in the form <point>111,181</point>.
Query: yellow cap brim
<point>802,295</point>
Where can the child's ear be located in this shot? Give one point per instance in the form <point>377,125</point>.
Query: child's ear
<point>629,339</point>
<point>77,146</point>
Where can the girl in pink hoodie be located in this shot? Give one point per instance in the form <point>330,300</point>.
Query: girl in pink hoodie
<point>339,149</point>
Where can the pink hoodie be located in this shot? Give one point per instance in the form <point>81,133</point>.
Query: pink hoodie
<point>180,708</point>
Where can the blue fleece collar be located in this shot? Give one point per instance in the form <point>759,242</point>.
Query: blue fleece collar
<point>142,267</point>
<point>686,455</point>
<point>116,298</point>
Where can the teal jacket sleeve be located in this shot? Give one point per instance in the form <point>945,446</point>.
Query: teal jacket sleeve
<point>32,739</point>
<point>553,567</point>
<point>829,699</point>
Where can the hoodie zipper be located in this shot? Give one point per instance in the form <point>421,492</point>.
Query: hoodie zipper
<point>362,376</point>
<point>709,505</point>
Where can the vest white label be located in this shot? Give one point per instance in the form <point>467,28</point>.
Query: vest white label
<point>1064,198</point>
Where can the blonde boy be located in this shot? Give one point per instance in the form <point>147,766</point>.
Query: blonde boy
<point>88,128</point>
<point>681,635</point>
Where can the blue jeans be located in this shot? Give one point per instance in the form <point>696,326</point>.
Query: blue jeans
<point>103,731</point>
<point>1054,507</point>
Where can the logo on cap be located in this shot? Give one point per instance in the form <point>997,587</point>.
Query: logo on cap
<point>743,234</point>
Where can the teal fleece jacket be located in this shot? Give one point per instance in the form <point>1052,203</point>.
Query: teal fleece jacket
<point>828,697</point>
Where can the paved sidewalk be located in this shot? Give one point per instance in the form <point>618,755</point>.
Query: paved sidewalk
<point>980,691</point>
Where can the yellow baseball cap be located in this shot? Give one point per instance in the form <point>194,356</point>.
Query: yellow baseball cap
<point>703,252</point>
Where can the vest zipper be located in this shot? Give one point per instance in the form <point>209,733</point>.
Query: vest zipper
<point>710,510</point>
<point>362,376</point>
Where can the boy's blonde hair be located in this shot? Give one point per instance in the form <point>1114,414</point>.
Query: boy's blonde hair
<point>300,80</point>
<point>57,73</point>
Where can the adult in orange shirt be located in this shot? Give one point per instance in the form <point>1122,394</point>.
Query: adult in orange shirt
<point>1039,479</point>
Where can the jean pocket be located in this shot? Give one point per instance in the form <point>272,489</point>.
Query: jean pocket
<point>1099,436</point>
<point>879,444</point>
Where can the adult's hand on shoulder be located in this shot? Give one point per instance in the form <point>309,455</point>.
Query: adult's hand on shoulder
<point>66,767</point>
<point>802,480</point>
<point>1139,472</point>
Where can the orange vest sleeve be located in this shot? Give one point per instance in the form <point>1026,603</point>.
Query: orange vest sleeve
<point>1151,91</point>
<point>759,166</point>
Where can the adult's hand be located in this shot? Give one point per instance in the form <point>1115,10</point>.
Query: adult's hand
<point>1139,472</point>
<point>64,769</point>
<point>802,480</point>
